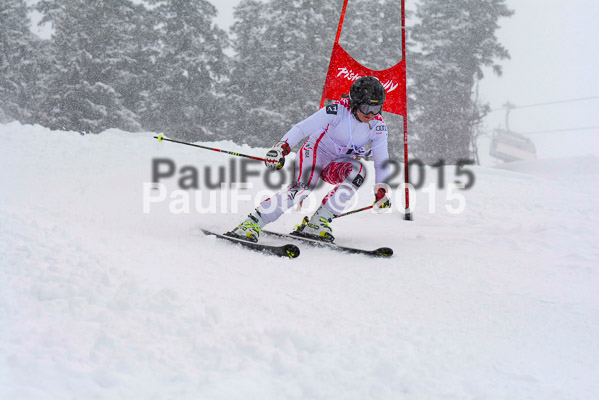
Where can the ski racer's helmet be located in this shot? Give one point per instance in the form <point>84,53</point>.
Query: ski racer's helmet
<point>368,95</point>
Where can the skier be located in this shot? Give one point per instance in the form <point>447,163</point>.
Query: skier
<point>337,136</point>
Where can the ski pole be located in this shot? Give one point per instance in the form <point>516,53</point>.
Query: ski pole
<point>355,211</point>
<point>161,138</point>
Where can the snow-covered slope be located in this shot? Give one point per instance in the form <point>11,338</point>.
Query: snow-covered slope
<point>101,300</point>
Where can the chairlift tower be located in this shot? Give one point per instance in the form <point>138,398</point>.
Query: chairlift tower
<point>508,107</point>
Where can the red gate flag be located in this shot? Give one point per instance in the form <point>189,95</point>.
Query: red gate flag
<point>344,70</point>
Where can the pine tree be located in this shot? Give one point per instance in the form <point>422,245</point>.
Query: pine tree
<point>454,41</point>
<point>364,31</point>
<point>18,61</point>
<point>302,33</point>
<point>282,50</point>
<point>247,119</point>
<point>137,73</point>
<point>90,49</point>
<point>185,100</point>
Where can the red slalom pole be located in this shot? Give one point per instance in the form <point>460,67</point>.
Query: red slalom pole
<point>339,28</point>
<point>408,214</point>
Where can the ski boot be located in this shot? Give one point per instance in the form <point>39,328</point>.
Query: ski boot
<point>317,227</point>
<point>250,228</point>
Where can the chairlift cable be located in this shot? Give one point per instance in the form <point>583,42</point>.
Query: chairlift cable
<point>549,103</point>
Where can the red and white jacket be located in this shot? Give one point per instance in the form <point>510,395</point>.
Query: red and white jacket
<point>338,134</point>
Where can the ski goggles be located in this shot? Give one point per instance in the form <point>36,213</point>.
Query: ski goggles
<point>370,108</point>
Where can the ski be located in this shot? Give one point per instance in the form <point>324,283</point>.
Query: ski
<point>286,250</point>
<point>380,252</point>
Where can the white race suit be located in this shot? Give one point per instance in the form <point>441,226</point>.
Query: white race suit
<point>336,137</point>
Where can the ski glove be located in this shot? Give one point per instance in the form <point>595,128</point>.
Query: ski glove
<point>381,199</point>
<point>275,157</point>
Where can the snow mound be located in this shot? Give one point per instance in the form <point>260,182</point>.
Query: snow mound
<point>101,300</point>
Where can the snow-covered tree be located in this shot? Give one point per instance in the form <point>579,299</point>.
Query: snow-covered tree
<point>90,52</point>
<point>18,61</point>
<point>247,96</point>
<point>185,99</point>
<point>372,32</point>
<point>282,50</point>
<point>454,41</point>
<point>136,77</point>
